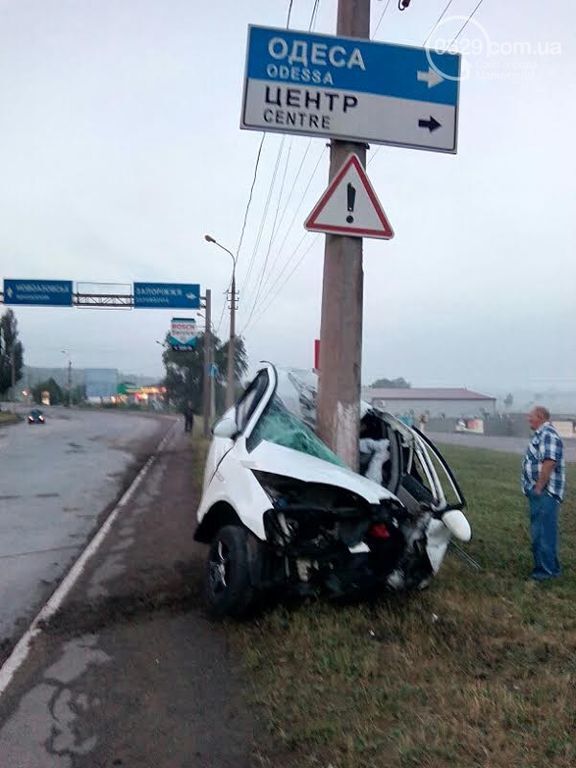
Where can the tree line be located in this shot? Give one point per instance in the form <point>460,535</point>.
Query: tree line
<point>185,371</point>
<point>11,352</point>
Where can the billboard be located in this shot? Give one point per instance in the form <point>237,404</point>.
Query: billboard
<point>182,334</point>
<point>101,383</point>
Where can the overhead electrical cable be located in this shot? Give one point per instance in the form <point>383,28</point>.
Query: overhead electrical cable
<point>246,279</point>
<point>380,20</point>
<point>255,175</point>
<point>272,235</point>
<point>262,283</point>
<point>463,27</point>
<point>267,286</point>
<point>444,12</point>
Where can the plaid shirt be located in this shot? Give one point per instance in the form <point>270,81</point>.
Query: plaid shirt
<point>545,444</point>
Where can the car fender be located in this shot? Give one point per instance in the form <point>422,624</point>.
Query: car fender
<point>234,485</point>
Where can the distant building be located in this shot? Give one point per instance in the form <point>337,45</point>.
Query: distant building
<point>451,403</point>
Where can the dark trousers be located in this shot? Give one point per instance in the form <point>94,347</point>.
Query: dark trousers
<point>188,422</point>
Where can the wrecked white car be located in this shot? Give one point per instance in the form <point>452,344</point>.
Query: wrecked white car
<point>280,510</point>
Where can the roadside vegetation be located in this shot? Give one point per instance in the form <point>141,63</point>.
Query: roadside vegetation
<point>8,418</point>
<point>479,670</point>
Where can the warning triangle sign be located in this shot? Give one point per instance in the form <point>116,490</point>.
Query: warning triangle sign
<point>350,206</point>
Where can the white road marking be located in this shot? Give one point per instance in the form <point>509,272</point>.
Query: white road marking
<point>22,647</point>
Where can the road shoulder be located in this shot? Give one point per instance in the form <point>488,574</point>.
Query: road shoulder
<point>130,672</point>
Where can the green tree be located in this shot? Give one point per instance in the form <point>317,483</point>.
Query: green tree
<point>78,394</point>
<point>184,379</point>
<point>11,352</point>
<point>399,383</point>
<point>53,389</point>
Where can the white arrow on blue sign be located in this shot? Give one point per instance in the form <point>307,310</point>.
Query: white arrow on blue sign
<point>166,296</point>
<point>44,293</point>
<point>351,89</point>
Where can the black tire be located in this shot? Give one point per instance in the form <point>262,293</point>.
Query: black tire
<point>228,588</point>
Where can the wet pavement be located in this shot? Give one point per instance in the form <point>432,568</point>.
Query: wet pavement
<point>130,672</point>
<point>56,480</point>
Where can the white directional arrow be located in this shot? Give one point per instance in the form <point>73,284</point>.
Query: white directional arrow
<point>431,77</point>
<point>190,296</point>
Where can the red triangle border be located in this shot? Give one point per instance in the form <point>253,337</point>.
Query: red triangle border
<point>386,233</point>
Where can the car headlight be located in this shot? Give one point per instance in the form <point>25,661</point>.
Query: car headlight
<point>274,486</point>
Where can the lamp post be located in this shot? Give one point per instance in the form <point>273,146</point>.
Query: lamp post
<point>230,378</point>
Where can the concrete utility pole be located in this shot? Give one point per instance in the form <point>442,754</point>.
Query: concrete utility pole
<point>231,373</point>
<point>207,394</point>
<point>342,297</point>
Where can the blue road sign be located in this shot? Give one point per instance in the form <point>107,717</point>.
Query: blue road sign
<point>166,296</point>
<point>320,85</point>
<point>52,293</point>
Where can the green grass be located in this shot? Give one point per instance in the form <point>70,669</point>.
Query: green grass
<point>8,418</point>
<point>480,670</point>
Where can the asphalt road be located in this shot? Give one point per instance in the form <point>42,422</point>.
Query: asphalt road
<point>55,481</point>
<point>505,444</point>
<point>130,673</point>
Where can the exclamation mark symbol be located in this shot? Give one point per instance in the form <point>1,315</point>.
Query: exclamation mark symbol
<point>351,195</point>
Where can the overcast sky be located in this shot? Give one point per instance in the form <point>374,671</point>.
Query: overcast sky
<point>120,148</point>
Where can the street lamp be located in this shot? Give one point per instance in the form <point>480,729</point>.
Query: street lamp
<point>232,342</point>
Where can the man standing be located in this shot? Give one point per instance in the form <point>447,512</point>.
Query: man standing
<point>189,417</point>
<point>543,482</point>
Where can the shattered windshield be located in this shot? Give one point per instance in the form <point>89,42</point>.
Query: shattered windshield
<point>281,427</point>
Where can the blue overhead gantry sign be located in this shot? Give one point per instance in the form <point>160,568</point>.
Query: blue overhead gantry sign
<point>166,296</point>
<point>351,89</point>
<point>53,293</point>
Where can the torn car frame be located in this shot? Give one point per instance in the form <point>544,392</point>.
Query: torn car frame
<point>280,510</point>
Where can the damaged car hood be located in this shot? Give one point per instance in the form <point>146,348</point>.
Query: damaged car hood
<point>287,462</point>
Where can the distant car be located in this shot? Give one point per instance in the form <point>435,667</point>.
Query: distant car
<point>279,509</point>
<point>36,417</point>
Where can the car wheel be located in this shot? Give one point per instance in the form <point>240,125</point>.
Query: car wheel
<point>227,585</point>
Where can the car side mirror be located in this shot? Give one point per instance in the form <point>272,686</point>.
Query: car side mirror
<point>226,427</point>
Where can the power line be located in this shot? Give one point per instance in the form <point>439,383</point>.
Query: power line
<point>313,19</point>
<point>429,36</point>
<point>272,235</point>
<point>293,187</point>
<point>314,15</point>
<point>250,196</point>
<point>290,4</point>
<point>438,21</point>
<point>267,287</point>
<point>271,293</point>
<point>222,313</point>
<point>256,165</point>
<point>381,19</point>
<point>468,20</point>
<point>285,211</point>
<point>285,267</point>
<point>288,277</point>
<point>264,215</point>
